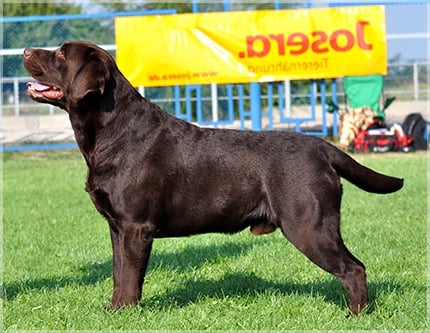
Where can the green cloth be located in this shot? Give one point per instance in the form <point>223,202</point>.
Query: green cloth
<point>364,91</point>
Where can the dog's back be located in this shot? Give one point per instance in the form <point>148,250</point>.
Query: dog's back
<point>152,175</point>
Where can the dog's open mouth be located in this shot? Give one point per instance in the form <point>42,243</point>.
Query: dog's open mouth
<point>42,90</point>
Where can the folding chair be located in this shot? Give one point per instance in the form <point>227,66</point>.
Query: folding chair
<point>363,99</point>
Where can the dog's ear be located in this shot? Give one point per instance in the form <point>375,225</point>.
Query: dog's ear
<point>90,78</point>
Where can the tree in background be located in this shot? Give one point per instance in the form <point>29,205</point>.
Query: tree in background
<point>187,7</point>
<point>30,8</point>
<point>127,6</point>
<point>53,33</point>
<point>298,87</point>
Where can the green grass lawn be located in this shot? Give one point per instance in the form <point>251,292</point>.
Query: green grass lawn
<point>57,261</point>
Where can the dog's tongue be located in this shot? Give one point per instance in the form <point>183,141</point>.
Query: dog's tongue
<point>38,90</point>
<point>38,86</point>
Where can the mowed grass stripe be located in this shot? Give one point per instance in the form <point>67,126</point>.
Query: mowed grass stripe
<point>57,261</point>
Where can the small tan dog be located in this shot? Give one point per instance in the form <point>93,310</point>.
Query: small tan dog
<point>352,121</point>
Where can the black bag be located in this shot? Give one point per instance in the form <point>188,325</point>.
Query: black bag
<point>414,126</point>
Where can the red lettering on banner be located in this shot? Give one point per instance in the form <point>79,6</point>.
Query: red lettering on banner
<point>262,41</point>
<point>360,36</point>
<point>298,39</point>
<point>336,45</point>
<point>341,40</point>
<point>280,40</point>
<point>316,45</point>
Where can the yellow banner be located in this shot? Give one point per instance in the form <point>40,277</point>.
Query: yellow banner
<point>234,47</point>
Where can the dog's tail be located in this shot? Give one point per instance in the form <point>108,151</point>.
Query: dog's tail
<point>361,176</point>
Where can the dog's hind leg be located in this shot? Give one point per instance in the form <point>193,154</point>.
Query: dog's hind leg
<point>321,242</point>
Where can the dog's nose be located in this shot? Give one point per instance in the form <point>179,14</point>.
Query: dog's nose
<point>27,52</point>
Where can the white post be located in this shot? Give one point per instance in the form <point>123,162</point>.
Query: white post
<point>214,101</point>
<point>16,96</point>
<point>287,93</point>
<point>416,86</point>
<point>1,105</point>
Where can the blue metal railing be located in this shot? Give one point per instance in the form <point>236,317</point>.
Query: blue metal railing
<point>246,103</point>
<point>64,17</point>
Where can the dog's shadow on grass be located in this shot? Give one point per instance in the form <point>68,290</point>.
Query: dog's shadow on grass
<point>90,275</point>
<point>188,258</point>
<point>235,284</point>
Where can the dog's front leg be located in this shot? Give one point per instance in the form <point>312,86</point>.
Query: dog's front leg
<point>131,243</point>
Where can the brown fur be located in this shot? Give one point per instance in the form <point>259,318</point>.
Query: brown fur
<point>152,175</point>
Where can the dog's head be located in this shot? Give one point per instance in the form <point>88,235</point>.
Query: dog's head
<point>69,75</point>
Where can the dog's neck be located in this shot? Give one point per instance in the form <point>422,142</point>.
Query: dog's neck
<point>100,118</point>
<point>97,115</point>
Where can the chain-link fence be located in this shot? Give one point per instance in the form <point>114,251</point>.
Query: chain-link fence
<point>406,78</point>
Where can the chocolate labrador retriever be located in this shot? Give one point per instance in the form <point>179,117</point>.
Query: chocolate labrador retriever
<point>152,175</point>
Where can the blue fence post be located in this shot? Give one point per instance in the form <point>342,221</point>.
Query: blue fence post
<point>255,107</point>
<point>195,6</point>
<point>334,99</point>
<point>226,5</point>
<point>323,107</point>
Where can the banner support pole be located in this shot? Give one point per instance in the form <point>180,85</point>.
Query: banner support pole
<point>255,107</point>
